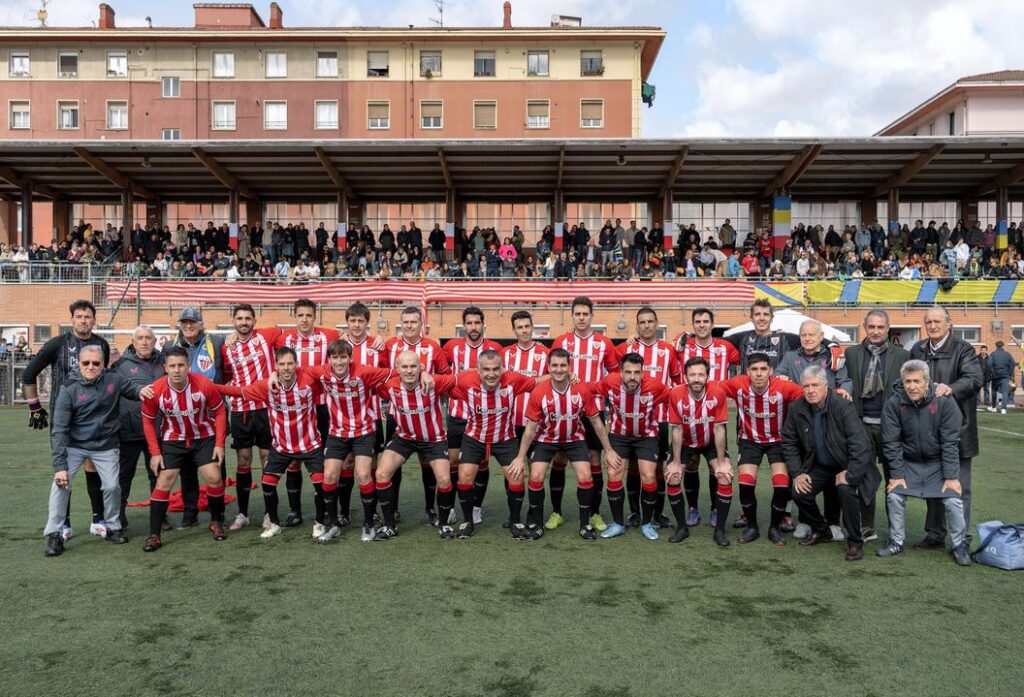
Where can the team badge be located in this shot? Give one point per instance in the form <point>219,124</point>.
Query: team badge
<point>775,341</point>
<point>773,399</point>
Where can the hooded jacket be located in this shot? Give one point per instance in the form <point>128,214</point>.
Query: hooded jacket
<point>138,372</point>
<point>956,364</point>
<point>86,415</point>
<point>921,441</point>
<point>1001,365</point>
<point>828,356</point>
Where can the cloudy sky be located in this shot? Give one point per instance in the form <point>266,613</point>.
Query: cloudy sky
<point>728,67</point>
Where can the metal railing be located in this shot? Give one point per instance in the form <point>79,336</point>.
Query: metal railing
<point>12,365</point>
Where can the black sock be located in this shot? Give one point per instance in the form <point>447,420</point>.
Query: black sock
<point>445,501</point>
<point>330,493</point>
<point>319,508</point>
<point>633,488</point>
<point>158,501</point>
<point>270,497</point>
<point>215,503</point>
<point>723,501</point>
<point>691,485</point>
<point>396,484</point>
<point>713,490</point>
<point>243,487</point>
<point>515,493</point>
<point>748,500</point>
<point>596,474</point>
<point>647,502</point>
<point>780,497</point>
<point>483,477</point>
<point>429,488</point>
<point>94,485</point>
<point>659,502</point>
<point>677,503</point>
<point>466,500</point>
<point>293,485</point>
<point>585,499</point>
<point>368,497</point>
<point>345,486</point>
<point>557,488</point>
<point>386,497</point>
<point>617,501</point>
<point>535,513</point>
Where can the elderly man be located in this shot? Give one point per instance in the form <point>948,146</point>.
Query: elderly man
<point>826,447</point>
<point>86,426</point>
<point>921,431</point>
<point>954,368</point>
<point>874,369</point>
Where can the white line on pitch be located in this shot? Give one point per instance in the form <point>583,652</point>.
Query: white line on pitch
<point>1005,433</point>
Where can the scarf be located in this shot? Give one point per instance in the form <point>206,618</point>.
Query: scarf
<point>873,382</point>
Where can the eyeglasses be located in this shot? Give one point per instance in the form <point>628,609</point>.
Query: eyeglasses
<point>95,364</point>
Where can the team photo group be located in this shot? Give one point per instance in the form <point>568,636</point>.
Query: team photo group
<point>633,421</point>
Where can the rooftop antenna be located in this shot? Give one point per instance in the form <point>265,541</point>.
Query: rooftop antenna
<point>42,14</point>
<point>439,20</point>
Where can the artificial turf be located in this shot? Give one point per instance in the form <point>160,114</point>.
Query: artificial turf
<point>490,616</point>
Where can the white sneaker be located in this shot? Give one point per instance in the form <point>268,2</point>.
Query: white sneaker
<point>1002,411</point>
<point>99,528</point>
<point>802,531</point>
<point>241,520</point>
<point>266,521</point>
<point>329,534</point>
<point>837,533</point>
<point>368,533</point>
<point>66,532</point>
<point>991,409</point>
<point>451,516</point>
<point>318,530</point>
<point>478,516</point>
<point>272,530</point>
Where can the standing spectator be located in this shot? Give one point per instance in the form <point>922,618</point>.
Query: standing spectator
<point>877,236</point>
<point>727,235</point>
<point>986,375</point>
<point>765,250</point>
<point>1001,368</point>
<point>416,238</point>
<point>918,238</point>
<point>751,266</point>
<point>606,240</point>
<point>437,240</point>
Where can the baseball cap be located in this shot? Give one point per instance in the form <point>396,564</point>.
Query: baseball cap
<point>190,314</point>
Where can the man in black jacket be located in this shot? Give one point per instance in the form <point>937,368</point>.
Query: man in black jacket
<point>874,367</point>
<point>825,446</point>
<point>1001,369</point>
<point>955,370</point>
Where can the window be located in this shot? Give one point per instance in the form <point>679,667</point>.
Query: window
<point>327,64</point>
<point>1018,334</point>
<point>849,329</point>
<point>537,114</point>
<point>537,63</point>
<point>326,115</point>
<point>592,113</point>
<point>931,129</point>
<point>67,64</point>
<point>170,134</point>
<point>19,64</point>
<point>939,211</point>
<point>378,114</point>
<point>224,116</point>
<point>430,114</point>
<point>530,217</point>
<point>952,122</point>
<point>171,86</point>
<point>485,114</point>
<point>972,335</point>
<point>41,333</point>
<point>377,64</point>
<point>223,64</point>
<point>591,63</point>
<point>20,116</point>
<point>67,115</point>
<point>275,116</point>
<point>709,217</point>
<point>483,64</point>
<point>117,64</point>
<point>117,115</point>
<point>839,214</point>
<point>277,64</point>
<point>430,63</point>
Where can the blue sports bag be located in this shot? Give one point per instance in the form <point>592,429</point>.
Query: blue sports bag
<point>1002,546</point>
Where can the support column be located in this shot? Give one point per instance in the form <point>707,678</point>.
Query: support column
<point>8,222</point>
<point>558,219</point>
<point>61,219</point>
<point>868,212</point>
<point>782,222</point>
<point>341,217</point>
<point>26,216</point>
<point>253,211</point>
<point>667,225</point>
<point>1002,217</point>
<point>127,221</point>
<point>233,220</point>
<point>450,202</point>
<point>893,213</point>
<point>968,211</point>
<point>155,213</point>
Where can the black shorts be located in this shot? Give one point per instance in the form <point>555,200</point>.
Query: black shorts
<point>709,452</point>
<point>379,441</point>
<point>340,448</point>
<point>178,456</point>
<point>278,462</point>
<point>574,452</point>
<point>664,444</point>
<point>642,448</point>
<point>752,453</point>
<point>475,453</point>
<point>427,451</point>
<point>456,429</point>
<point>323,422</point>
<point>249,428</point>
<point>590,435</point>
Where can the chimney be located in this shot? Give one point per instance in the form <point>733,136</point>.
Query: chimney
<point>106,16</point>
<point>276,16</point>
<point>507,24</point>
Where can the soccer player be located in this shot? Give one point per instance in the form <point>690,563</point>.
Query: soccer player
<point>720,355</point>
<point>660,363</point>
<point>761,411</point>
<point>434,361</point>
<point>635,401</point>
<point>419,428</point>
<point>248,357</point>
<point>462,354</point>
<point>489,394</point>
<point>60,354</point>
<point>698,413</point>
<point>193,428</point>
<point>591,357</point>
<point>554,417</point>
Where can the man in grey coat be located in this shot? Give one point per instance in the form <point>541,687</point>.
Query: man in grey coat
<point>921,432</point>
<point>1001,366</point>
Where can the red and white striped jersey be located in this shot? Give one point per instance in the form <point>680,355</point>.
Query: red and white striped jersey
<point>490,412</point>
<point>418,414</point>
<point>720,353</point>
<point>633,414</point>
<point>590,357</point>
<point>292,412</point>
<point>352,398</point>
<point>192,413</point>
<point>310,350</point>
<point>432,357</point>
<point>698,415</point>
<point>761,415</point>
<point>248,361</point>
<point>559,414</point>
<point>462,357</point>
<point>364,354</point>
<point>531,362</point>
<point>659,363</point>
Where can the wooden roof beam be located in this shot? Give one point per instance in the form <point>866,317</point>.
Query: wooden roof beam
<point>792,172</point>
<point>1007,178</point>
<point>222,174</point>
<point>911,170</point>
<point>444,169</point>
<point>677,167</point>
<point>334,173</point>
<point>15,178</point>
<point>113,174</point>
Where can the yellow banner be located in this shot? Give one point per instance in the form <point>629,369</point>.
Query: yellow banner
<point>888,291</point>
<point>969,292</point>
<point>824,292</point>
